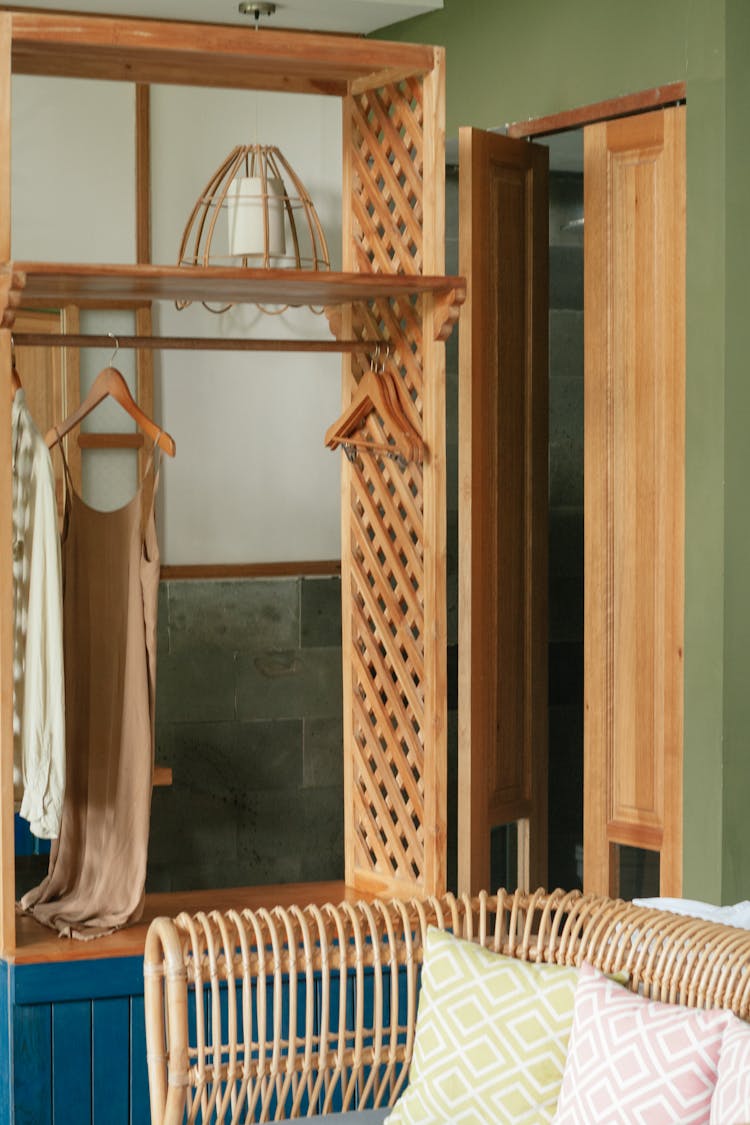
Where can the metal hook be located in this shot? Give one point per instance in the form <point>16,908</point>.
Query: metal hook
<point>376,363</point>
<point>117,347</point>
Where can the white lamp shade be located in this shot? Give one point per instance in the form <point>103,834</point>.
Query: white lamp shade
<point>249,201</point>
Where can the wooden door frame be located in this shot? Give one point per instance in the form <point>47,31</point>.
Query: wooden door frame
<point>629,105</point>
<point>658,97</point>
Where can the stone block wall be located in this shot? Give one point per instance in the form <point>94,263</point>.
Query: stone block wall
<point>565,530</point>
<point>249,706</point>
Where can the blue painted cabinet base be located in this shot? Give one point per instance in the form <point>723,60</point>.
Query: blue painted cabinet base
<point>72,1043</point>
<point>73,1039</point>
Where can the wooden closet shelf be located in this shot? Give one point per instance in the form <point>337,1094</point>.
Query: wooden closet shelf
<point>63,283</point>
<point>36,944</point>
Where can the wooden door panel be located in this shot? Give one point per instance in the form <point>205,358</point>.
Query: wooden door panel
<point>503,510</point>
<point>634,190</point>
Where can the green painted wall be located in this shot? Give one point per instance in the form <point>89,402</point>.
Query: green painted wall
<point>509,61</point>
<point>736,842</point>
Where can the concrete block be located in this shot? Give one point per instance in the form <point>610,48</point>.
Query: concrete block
<point>566,609</point>
<point>323,761</point>
<point>190,827</point>
<point>162,621</point>
<point>321,612</point>
<point>565,542</point>
<point>232,760</point>
<point>234,615</point>
<point>195,686</point>
<point>306,683</point>
<point>323,858</point>
<point>566,442</point>
<point>566,277</point>
<point>566,344</point>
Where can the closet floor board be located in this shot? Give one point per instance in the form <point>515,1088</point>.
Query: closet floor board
<point>37,944</point>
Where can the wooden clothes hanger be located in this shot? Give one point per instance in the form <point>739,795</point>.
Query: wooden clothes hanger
<point>377,390</point>
<point>110,382</point>
<point>15,379</point>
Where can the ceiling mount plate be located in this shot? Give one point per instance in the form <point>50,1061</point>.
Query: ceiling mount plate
<point>255,10</point>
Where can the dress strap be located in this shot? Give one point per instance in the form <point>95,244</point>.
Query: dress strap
<point>61,447</point>
<point>150,482</point>
<point>154,456</point>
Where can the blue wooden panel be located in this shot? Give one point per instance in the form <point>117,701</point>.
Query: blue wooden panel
<point>71,1062</point>
<point>111,1061</point>
<point>6,1041</point>
<point>79,980</point>
<point>26,843</point>
<point>139,1104</point>
<point>32,1065</point>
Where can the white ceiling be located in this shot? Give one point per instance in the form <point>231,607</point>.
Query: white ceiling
<point>353,16</point>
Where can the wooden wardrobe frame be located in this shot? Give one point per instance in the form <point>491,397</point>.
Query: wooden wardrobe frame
<point>391,289</point>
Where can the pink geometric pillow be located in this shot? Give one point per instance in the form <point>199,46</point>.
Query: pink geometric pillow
<point>731,1101</point>
<point>633,1061</point>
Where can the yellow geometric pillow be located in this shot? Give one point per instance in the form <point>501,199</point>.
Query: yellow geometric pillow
<point>491,1038</point>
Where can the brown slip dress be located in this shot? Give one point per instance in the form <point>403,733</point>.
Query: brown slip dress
<point>110,572</point>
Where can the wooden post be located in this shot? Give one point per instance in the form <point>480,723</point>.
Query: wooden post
<point>144,371</point>
<point>435,533</point>
<point>347,385</point>
<point>7,857</point>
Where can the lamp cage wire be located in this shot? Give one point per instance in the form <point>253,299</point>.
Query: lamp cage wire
<point>206,237</point>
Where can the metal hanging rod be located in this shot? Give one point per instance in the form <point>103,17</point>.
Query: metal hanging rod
<point>191,343</point>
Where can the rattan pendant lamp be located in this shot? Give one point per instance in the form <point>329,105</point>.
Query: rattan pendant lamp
<point>254,213</point>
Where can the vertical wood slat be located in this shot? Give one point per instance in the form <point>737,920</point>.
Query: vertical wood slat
<point>110,1060</point>
<point>7,858</point>
<point>503,450</point>
<point>435,736</point>
<point>139,1096</point>
<point>347,388</point>
<point>71,321</point>
<point>144,377</point>
<point>71,1062</point>
<point>634,493</point>
<point>143,173</point>
<point>32,1064</point>
<point>144,360</point>
<point>6,1033</point>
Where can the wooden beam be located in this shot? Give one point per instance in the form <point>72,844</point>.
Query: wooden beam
<point>202,54</point>
<point>314,568</point>
<point>7,844</point>
<point>624,106</point>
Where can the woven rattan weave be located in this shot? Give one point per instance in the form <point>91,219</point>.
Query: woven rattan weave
<point>224,990</point>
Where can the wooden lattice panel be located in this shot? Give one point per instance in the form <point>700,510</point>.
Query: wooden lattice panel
<point>384,518</point>
<point>387,157</point>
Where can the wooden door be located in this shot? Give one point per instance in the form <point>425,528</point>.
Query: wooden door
<point>634,295</point>
<point>503,438</point>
